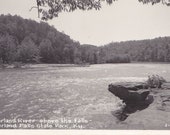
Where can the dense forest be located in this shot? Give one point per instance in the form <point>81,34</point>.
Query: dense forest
<point>150,50</point>
<point>27,41</point>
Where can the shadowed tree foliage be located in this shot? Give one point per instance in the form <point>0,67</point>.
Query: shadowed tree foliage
<point>51,8</point>
<point>28,41</point>
<point>28,51</point>
<point>7,48</point>
<point>46,51</point>
<point>165,2</point>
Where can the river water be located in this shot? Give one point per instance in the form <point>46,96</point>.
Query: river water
<point>51,92</point>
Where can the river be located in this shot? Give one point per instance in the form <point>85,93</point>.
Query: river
<point>51,92</point>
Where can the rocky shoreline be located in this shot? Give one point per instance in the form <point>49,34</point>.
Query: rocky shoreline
<point>145,108</point>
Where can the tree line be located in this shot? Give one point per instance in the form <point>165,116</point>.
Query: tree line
<point>150,50</point>
<point>28,41</point>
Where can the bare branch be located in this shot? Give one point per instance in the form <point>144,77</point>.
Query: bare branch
<point>32,8</point>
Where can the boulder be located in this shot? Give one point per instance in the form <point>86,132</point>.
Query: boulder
<point>134,95</point>
<point>129,92</point>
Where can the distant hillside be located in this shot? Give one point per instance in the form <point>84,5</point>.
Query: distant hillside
<point>151,50</point>
<point>28,41</point>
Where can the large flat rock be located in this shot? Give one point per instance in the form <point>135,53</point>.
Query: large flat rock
<point>130,92</point>
<point>131,85</point>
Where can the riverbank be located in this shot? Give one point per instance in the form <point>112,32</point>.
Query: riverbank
<point>21,65</point>
<point>45,65</point>
<point>156,116</point>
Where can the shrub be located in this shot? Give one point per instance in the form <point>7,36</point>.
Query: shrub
<point>155,81</point>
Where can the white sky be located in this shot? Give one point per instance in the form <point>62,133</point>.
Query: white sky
<point>123,20</point>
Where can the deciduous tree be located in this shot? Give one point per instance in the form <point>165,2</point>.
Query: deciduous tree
<point>51,8</point>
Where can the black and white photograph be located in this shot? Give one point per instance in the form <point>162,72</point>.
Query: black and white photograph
<point>85,65</point>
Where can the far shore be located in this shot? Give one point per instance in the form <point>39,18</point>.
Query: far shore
<point>43,65</point>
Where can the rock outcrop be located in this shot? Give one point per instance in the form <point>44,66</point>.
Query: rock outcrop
<point>153,116</point>
<point>130,92</point>
<point>134,95</point>
<point>156,115</point>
